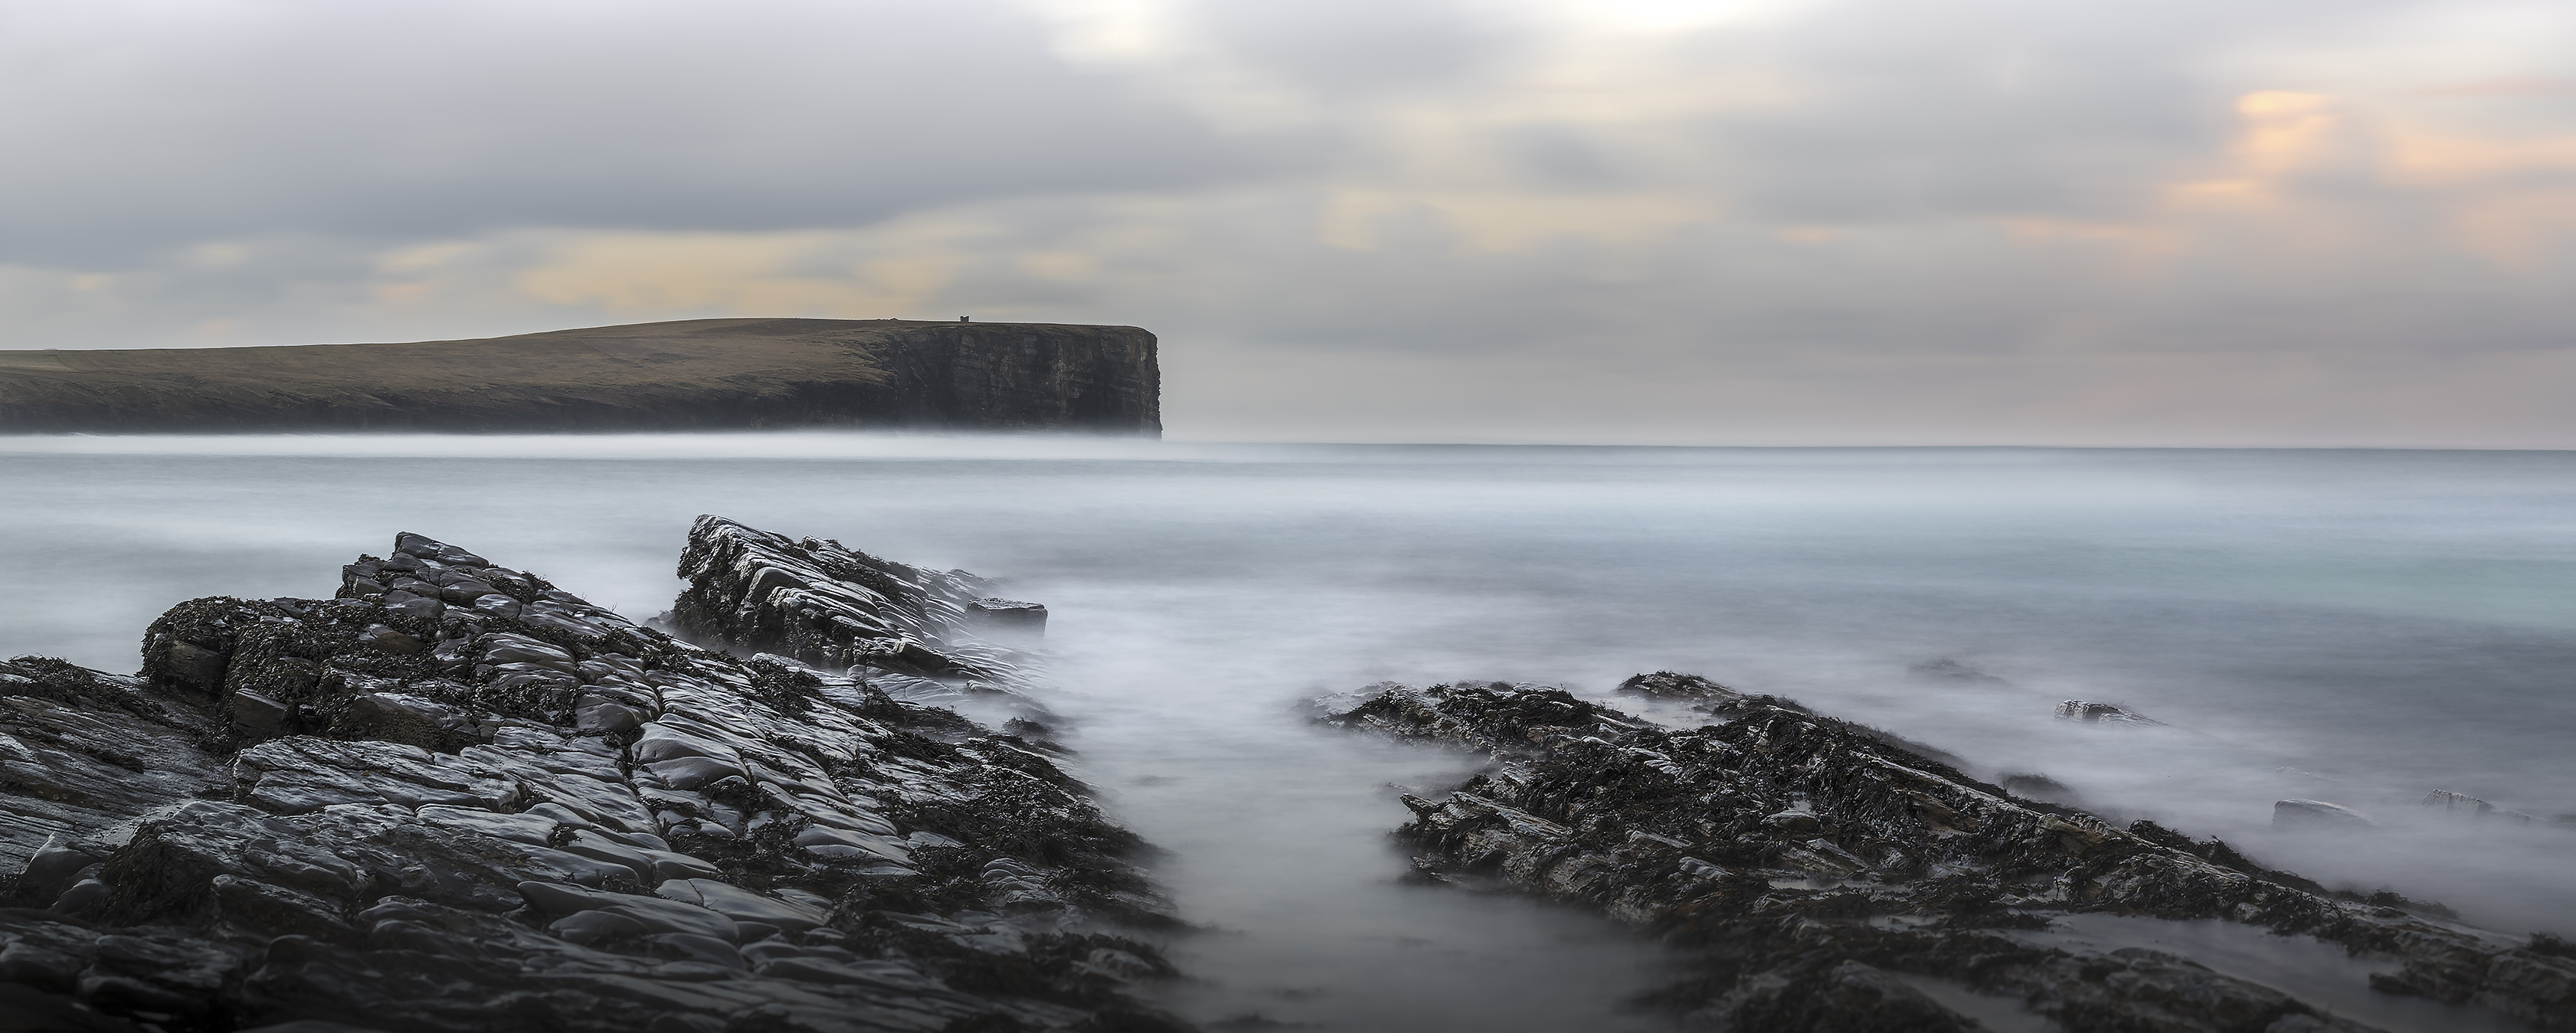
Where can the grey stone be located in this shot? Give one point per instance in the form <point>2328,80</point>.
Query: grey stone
<point>404,718</point>
<point>390,640</point>
<point>589,927</point>
<point>2101,713</point>
<point>501,886</point>
<point>1895,864</point>
<point>197,665</point>
<point>53,869</point>
<point>2317,814</point>
<point>255,716</point>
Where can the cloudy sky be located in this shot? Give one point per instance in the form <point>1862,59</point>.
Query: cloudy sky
<point>1798,222</point>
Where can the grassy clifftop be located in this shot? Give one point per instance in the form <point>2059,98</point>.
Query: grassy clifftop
<point>685,375</point>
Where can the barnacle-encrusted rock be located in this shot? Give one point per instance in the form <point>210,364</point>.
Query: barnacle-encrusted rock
<point>1810,863</point>
<point>458,797</point>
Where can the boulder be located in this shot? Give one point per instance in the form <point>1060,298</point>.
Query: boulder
<point>1007,619</point>
<point>2472,807</point>
<point>2101,713</point>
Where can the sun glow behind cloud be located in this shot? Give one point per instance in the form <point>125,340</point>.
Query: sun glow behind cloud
<point>1759,222</point>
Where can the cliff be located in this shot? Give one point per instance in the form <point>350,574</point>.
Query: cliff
<point>698,374</point>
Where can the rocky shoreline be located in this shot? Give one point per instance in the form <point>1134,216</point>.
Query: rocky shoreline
<point>1822,875</point>
<point>458,797</point>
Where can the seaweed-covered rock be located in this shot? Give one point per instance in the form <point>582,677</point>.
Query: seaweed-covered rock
<point>1810,862</point>
<point>458,797</point>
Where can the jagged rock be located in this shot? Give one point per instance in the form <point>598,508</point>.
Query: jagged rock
<point>1007,619</point>
<point>1668,685</point>
<point>2101,713</point>
<point>410,809</point>
<point>1802,860</point>
<point>2314,814</point>
<point>2031,785</point>
<point>2459,803</point>
<point>823,603</point>
<point>83,752</point>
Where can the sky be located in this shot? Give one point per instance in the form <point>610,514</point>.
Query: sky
<point>1774,222</point>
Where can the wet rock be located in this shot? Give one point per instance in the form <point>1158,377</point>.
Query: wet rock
<point>389,640</point>
<point>404,718</point>
<point>82,753</point>
<point>2317,814</point>
<point>2101,713</point>
<point>1948,670</point>
<point>442,812</point>
<point>2030,785</point>
<point>1007,619</point>
<point>1668,685</point>
<point>823,603</point>
<point>53,869</point>
<point>256,717</point>
<point>1812,867</point>
<point>196,665</point>
<point>2472,807</point>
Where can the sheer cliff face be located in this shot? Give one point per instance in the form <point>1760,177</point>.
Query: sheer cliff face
<point>1021,376</point>
<point>702,374</point>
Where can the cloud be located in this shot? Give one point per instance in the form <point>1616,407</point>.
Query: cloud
<point>137,125</point>
<point>1977,220</point>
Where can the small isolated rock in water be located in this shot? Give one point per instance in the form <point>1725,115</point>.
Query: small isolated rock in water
<point>2462,803</point>
<point>1008,619</point>
<point>1946,669</point>
<point>2317,814</point>
<point>819,602</point>
<point>2101,713</point>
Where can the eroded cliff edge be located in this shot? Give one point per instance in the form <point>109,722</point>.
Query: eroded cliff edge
<point>699,374</point>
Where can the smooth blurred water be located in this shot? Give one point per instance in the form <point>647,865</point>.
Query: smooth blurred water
<point>2380,623</point>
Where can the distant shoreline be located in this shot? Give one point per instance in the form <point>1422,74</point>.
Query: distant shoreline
<point>687,376</point>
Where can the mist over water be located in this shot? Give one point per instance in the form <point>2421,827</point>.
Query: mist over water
<point>2357,627</point>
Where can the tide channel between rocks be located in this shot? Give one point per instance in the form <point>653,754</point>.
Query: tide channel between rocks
<point>1827,876</point>
<point>456,797</point>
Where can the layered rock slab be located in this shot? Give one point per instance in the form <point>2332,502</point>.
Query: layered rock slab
<point>458,797</point>
<point>1820,872</point>
<point>823,603</point>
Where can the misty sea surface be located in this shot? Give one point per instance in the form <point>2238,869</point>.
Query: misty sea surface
<point>2360,627</point>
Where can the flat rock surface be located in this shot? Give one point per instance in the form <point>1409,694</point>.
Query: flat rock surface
<point>458,797</point>
<point>1826,877</point>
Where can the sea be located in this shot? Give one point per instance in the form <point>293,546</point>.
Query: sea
<point>2356,627</point>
